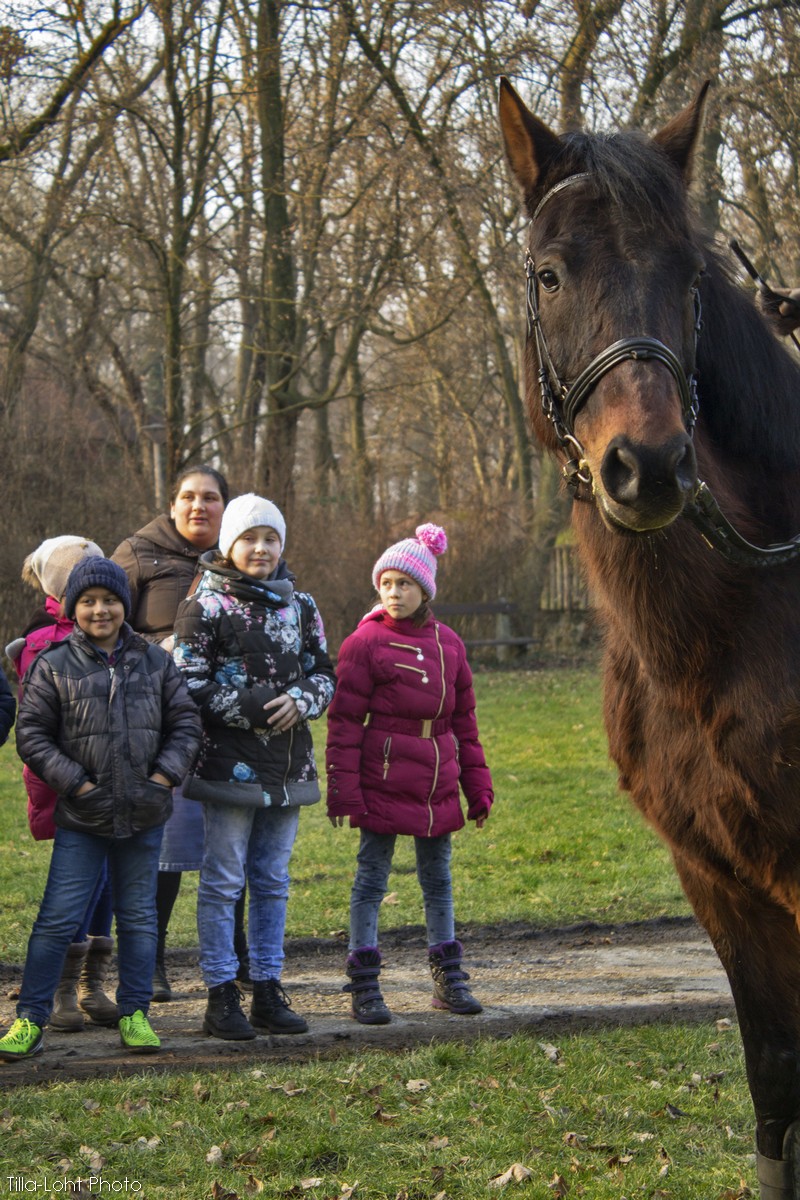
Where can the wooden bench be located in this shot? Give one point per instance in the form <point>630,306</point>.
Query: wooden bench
<point>502,611</point>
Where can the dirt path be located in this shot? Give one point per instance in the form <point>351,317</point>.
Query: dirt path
<point>586,975</point>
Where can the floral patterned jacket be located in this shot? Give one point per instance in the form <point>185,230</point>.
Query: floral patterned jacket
<point>239,643</point>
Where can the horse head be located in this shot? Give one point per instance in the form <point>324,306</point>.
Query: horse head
<point>613,269</point>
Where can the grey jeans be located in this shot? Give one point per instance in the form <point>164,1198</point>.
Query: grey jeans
<point>374,861</point>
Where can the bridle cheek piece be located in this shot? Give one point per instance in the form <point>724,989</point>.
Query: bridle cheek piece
<point>561,402</point>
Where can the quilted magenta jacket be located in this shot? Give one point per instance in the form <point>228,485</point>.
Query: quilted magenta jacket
<point>41,798</point>
<point>402,733</point>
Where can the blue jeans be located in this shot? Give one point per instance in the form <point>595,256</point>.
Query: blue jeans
<point>100,913</point>
<point>372,875</point>
<point>75,868</point>
<point>244,843</point>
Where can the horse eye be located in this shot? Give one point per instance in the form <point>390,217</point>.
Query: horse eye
<point>548,279</point>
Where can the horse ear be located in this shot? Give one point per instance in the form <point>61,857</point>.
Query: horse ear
<point>679,136</point>
<point>529,143</point>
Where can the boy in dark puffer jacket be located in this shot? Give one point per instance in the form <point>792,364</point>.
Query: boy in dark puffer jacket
<point>107,722</point>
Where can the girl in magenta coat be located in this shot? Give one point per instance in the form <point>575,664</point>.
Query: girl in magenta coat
<point>402,743</point>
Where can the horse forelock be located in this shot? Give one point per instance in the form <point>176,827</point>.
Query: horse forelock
<point>632,175</point>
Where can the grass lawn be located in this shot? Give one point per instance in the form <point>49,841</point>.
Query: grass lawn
<point>656,1112</point>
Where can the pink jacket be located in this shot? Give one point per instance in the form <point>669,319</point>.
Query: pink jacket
<point>402,733</point>
<point>41,798</point>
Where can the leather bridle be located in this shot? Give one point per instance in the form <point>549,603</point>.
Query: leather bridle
<point>561,403</point>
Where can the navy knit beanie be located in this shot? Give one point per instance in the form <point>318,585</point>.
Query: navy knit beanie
<point>96,572</point>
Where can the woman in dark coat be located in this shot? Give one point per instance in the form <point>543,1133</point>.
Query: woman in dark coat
<point>160,561</point>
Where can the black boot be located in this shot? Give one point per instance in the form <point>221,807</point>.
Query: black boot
<point>240,947</point>
<point>271,1011</point>
<point>162,992</point>
<point>224,1017</point>
<point>363,968</point>
<point>450,989</point>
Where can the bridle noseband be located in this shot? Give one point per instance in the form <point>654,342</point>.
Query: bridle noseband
<point>562,402</point>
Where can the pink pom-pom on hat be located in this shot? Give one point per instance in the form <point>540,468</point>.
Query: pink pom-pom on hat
<point>415,557</point>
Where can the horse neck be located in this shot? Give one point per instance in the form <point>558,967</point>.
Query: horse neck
<point>749,394</point>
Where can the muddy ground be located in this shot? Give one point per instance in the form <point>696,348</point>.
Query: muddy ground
<point>543,982</point>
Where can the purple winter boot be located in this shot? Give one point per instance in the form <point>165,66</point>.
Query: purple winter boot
<point>363,968</point>
<point>449,981</point>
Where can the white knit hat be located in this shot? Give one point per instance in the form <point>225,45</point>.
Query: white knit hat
<point>48,567</point>
<point>245,512</point>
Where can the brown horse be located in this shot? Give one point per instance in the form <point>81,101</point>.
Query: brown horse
<point>641,398</point>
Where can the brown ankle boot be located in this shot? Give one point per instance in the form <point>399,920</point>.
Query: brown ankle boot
<point>91,997</point>
<point>66,1015</point>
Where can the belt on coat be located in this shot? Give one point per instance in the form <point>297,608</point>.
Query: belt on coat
<point>415,728</point>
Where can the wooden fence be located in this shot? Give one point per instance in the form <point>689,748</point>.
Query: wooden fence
<point>565,587</point>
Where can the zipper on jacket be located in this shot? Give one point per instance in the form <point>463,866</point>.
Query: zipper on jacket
<point>419,671</point>
<point>387,747</point>
<point>435,745</point>
<point>288,765</point>
<point>407,646</point>
<point>441,664</point>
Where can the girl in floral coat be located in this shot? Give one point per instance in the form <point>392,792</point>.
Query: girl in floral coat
<point>254,655</point>
<point>402,738</point>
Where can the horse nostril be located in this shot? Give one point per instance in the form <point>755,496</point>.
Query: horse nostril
<point>686,467</point>
<point>621,472</point>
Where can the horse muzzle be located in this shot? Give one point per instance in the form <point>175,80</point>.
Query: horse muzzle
<point>642,488</point>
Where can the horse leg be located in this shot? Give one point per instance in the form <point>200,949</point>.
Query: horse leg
<point>759,946</point>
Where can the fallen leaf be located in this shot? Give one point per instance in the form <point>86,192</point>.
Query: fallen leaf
<point>254,1185</point>
<point>201,1093</point>
<point>311,1182</point>
<point>674,1112</point>
<point>93,1157</point>
<point>575,1139</point>
<point>214,1156</point>
<point>218,1192</point>
<point>91,1105</point>
<point>549,1051</point>
<point>516,1173</point>
<point>723,1024</point>
<point>288,1089</point>
<point>391,898</point>
<point>439,1143</point>
<point>248,1157</point>
<point>417,1085</point>
<point>558,1185</point>
<point>384,1117</point>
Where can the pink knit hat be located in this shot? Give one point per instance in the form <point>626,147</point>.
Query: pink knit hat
<point>415,557</point>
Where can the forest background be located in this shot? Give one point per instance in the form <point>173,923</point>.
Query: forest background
<point>279,236</point>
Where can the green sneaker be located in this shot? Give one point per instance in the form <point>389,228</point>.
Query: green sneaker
<point>137,1034</point>
<point>22,1040</point>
